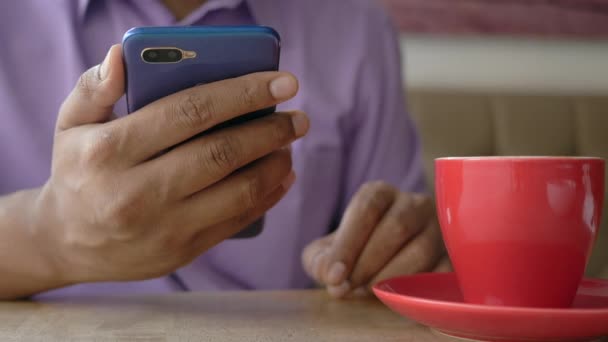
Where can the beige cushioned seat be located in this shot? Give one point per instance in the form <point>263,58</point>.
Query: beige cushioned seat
<point>473,124</point>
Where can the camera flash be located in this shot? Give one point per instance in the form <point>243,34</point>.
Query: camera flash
<point>188,54</point>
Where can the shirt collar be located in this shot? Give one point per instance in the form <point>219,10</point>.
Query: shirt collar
<point>256,11</point>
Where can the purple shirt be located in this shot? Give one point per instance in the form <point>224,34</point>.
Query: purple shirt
<point>346,57</point>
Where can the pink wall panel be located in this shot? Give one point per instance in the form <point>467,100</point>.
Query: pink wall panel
<point>587,18</point>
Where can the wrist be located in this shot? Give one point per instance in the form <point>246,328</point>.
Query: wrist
<point>45,228</point>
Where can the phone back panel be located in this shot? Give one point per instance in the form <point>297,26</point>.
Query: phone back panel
<point>222,52</point>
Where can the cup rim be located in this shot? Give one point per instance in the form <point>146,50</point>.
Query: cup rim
<point>522,158</point>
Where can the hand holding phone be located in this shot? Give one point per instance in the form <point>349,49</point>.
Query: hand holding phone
<point>116,208</point>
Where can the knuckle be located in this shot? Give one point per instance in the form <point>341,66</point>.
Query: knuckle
<point>86,83</point>
<point>382,186</point>
<point>123,215</point>
<point>400,219</point>
<point>194,112</point>
<point>251,194</point>
<point>375,187</point>
<point>422,199</point>
<point>282,130</point>
<point>98,148</point>
<point>249,94</point>
<point>376,195</point>
<point>398,228</point>
<point>222,154</point>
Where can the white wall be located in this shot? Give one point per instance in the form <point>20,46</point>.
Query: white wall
<point>506,64</point>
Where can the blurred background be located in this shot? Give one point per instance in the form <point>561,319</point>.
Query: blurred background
<point>508,77</point>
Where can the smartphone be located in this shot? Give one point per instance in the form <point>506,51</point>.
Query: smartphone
<point>160,61</point>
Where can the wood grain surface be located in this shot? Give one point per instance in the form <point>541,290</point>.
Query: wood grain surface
<point>228,316</point>
<point>240,316</point>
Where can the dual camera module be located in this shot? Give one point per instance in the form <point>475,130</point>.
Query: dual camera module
<point>165,55</point>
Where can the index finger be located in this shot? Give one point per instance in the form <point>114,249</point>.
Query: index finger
<point>180,116</point>
<point>364,212</point>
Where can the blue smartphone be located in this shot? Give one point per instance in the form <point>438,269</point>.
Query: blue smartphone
<point>160,61</point>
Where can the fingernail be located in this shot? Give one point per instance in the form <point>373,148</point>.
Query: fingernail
<point>283,87</point>
<point>104,68</point>
<point>289,180</point>
<point>360,292</point>
<point>316,264</point>
<point>300,123</point>
<point>340,290</point>
<point>336,273</point>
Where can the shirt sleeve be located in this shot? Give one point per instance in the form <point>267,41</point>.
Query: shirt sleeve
<point>382,140</point>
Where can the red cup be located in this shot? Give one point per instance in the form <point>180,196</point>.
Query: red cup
<point>519,230</point>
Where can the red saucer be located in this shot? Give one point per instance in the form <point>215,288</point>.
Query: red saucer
<point>435,300</point>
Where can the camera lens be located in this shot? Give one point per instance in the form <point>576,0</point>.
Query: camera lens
<point>174,55</point>
<point>151,56</point>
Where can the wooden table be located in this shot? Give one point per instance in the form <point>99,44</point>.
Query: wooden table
<point>230,316</point>
<point>236,316</point>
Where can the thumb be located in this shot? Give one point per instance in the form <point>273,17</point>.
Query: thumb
<point>313,255</point>
<point>95,94</point>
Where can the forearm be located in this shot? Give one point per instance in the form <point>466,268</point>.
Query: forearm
<point>26,263</point>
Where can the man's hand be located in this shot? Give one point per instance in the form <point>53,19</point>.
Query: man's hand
<point>116,207</point>
<point>384,233</point>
